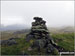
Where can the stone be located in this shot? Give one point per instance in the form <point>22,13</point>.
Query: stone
<point>50,48</point>
<point>8,42</point>
<point>29,37</point>
<point>39,43</point>
<point>11,42</point>
<point>42,37</point>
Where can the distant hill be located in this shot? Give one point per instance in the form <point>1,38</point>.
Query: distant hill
<point>13,27</point>
<point>68,29</point>
<point>23,29</point>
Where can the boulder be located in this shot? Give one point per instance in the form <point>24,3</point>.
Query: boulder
<point>29,37</point>
<point>8,42</point>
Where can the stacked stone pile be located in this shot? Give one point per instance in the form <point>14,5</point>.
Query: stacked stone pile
<point>40,33</point>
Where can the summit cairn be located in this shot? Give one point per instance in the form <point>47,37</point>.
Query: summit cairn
<point>40,36</point>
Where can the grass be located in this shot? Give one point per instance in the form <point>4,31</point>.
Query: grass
<point>65,40</point>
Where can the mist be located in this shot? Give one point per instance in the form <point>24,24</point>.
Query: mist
<point>55,13</point>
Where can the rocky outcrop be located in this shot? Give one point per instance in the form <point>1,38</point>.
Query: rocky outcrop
<point>9,42</point>
<point>42,37</point>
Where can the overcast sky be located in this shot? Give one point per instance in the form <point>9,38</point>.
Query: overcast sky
<point>55,13</point>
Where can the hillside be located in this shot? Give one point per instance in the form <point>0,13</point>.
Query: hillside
<point>13,27</point>
<point>65,40</point>
<point>68,29</point>
<point>60,30</point>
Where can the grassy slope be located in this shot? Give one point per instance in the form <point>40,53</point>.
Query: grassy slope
<point>65,40</point>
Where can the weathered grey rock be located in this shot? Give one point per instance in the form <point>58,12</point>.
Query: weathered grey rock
<point>8,42</point>
<point>42,37</point>
<point>11,42</point>
<point>50,48</point>
<point>39,43</point>
<point>29,37</point>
